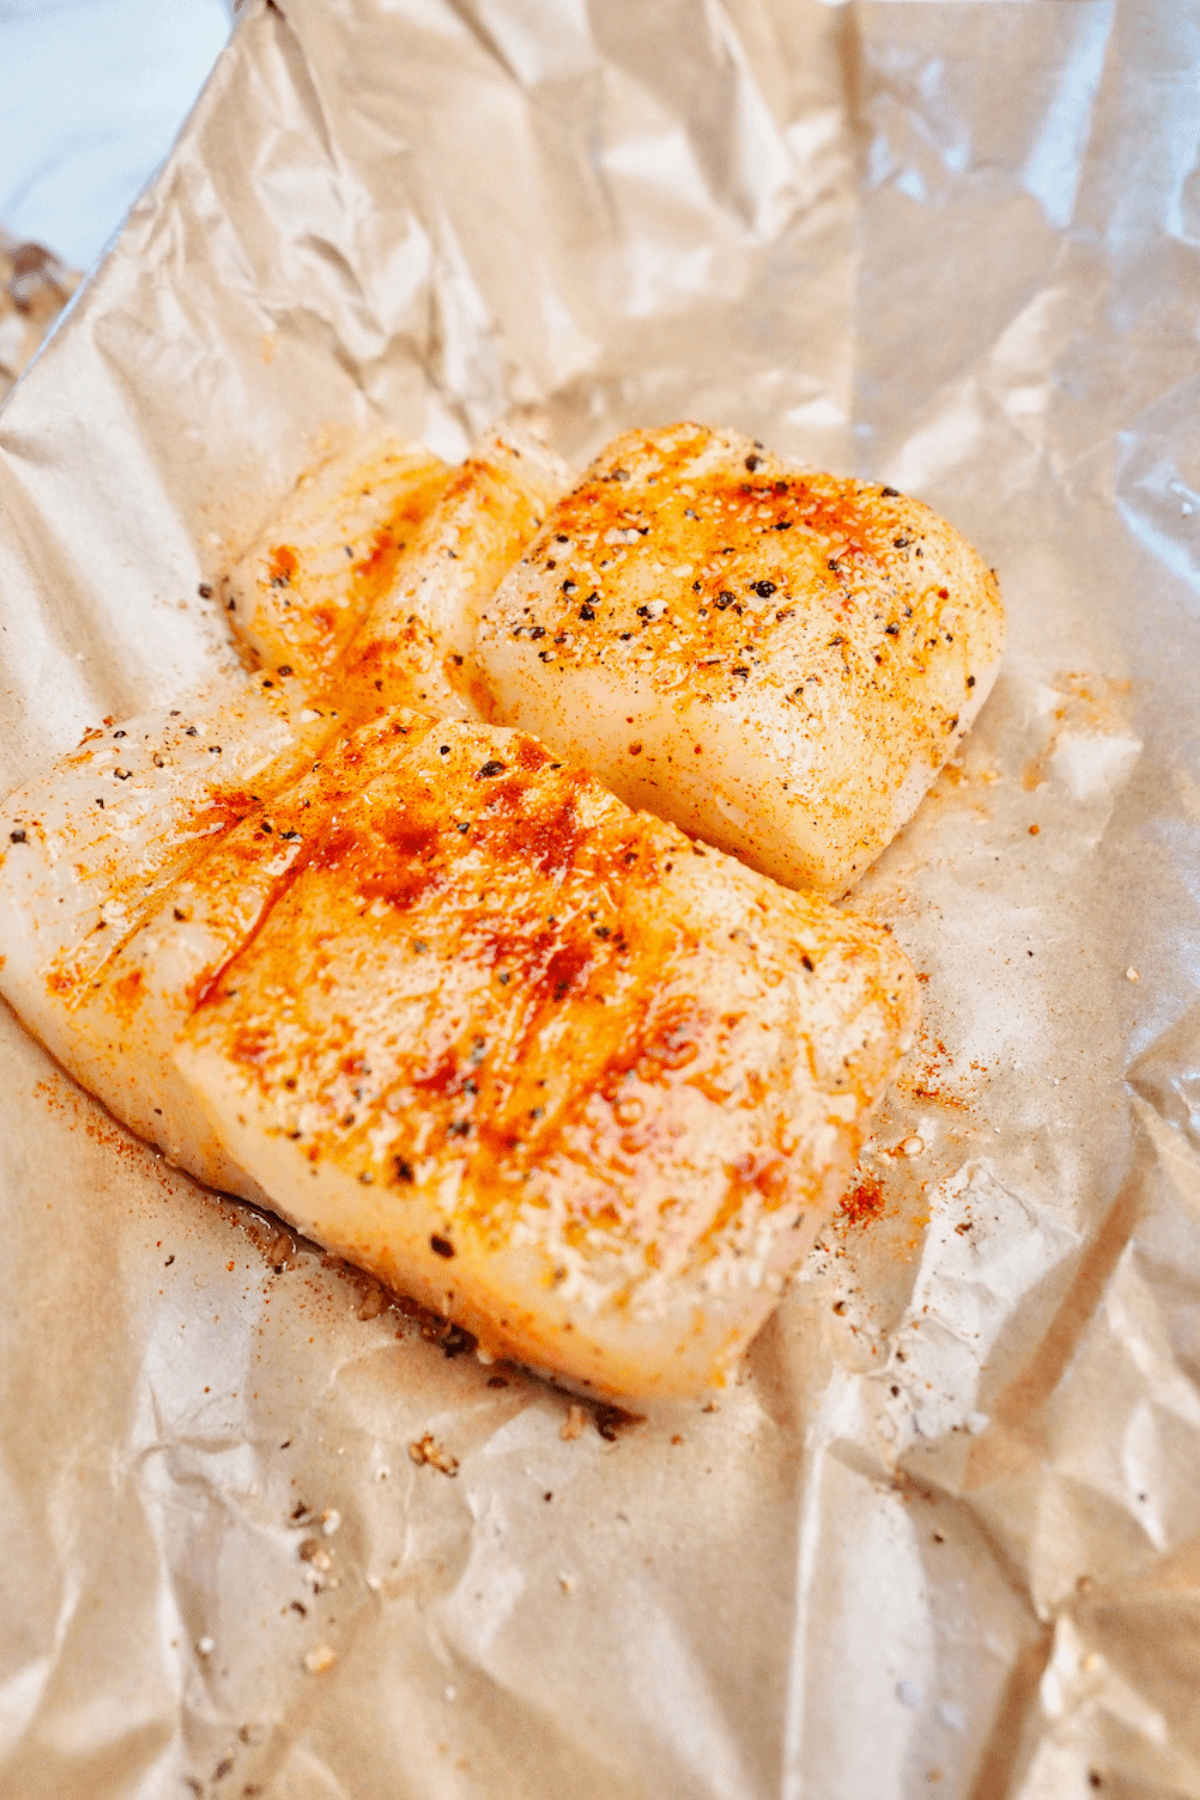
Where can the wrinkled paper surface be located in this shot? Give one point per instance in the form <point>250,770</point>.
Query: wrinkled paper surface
<point>34,288</point>
<point>944,1534</point>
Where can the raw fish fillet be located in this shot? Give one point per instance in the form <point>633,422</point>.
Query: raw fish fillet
<point>777,660</point>
<point>102,843</point>
<point>368,581</point>
<point>414,645</point>
<point>451,1008</point>
<point>327,553</point>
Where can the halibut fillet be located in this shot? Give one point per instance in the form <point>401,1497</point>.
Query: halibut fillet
<point>777,660</point>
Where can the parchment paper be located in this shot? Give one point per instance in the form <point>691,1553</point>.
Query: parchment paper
<point>944,1535</point>
<point>34,288</point>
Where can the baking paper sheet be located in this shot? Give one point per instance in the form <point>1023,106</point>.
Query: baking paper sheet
<point>944,1535</point>
<point>34,288</point>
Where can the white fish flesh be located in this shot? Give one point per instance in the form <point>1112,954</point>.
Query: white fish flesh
<point>779,661</point>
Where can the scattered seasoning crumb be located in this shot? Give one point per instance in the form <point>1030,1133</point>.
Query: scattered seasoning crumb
<point>612,1419</point>
<point>567,1583</point>
<point>864,1201</point>
<point>1131,974</point>
<point>912,1146</point>
<point>572,1426</point>
<point>428,1450</point>
<point>372,1305</point>
<point>1033,830</point>
<point>320,1660</point>
<point>311,1552</point>
<point>205,1647</point>
<point>331,1518</point>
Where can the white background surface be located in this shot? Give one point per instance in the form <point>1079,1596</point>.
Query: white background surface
<point>92,93</point>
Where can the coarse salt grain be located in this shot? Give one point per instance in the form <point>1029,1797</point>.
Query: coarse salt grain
<point>205,1647</point>
<point>318,1661</point>
<point>913,1146</point>
<point>1131,974</point>
<point>331,1518</point>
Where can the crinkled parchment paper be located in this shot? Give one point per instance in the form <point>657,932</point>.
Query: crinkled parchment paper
<point>944,1535</point>
<point>34,288</point>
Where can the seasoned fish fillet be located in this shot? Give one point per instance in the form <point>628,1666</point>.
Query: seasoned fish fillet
<point>103,843</point>
<point>581,1086</point>
<point>370,578</point>
<point>414,643</point>
<point>778,661</point>
<point>327,554</point>
<point>460,1015</point>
